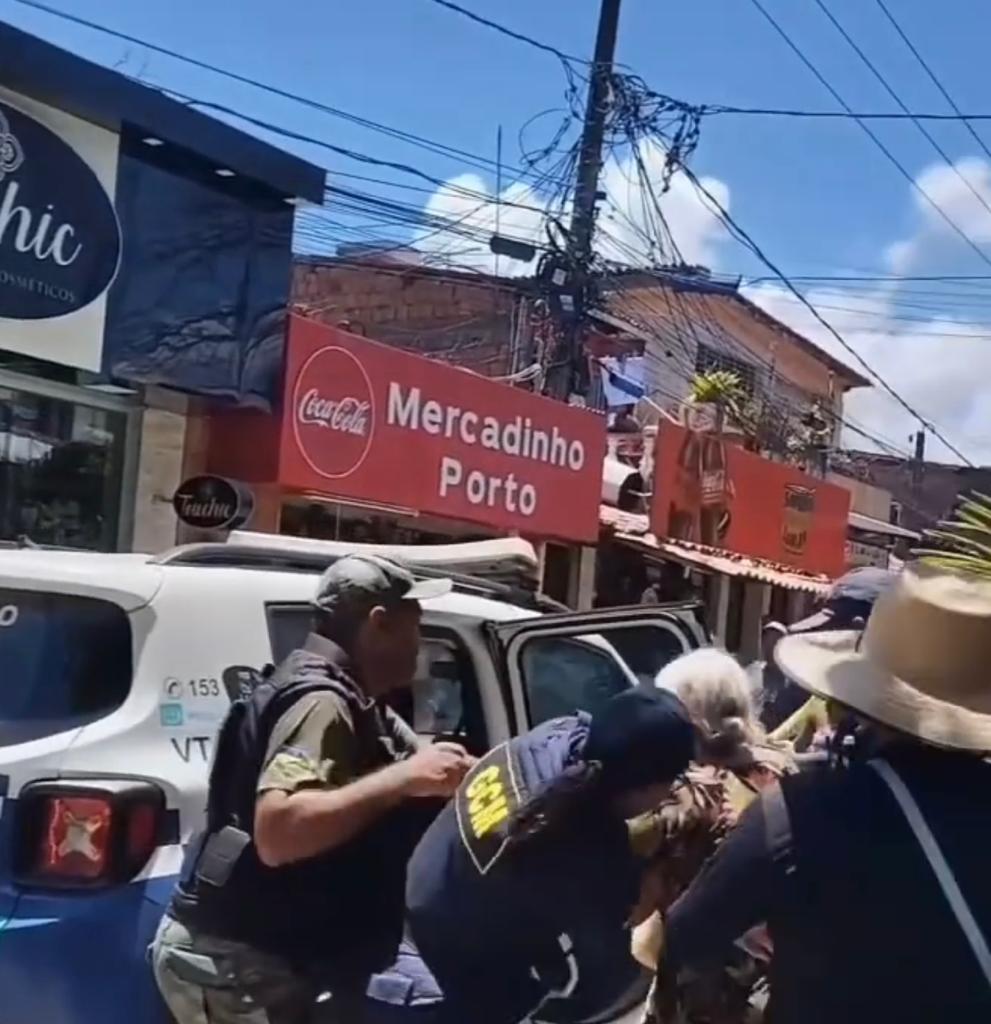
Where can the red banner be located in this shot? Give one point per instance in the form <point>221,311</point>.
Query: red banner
<point>368,422</point>
<point>714,493</point>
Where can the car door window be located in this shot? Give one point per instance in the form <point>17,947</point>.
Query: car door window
<point>562,675</point>
<point>646,649</point>
<point>65,661</point>
<point>577,660</point>
<point>434,705</point>
<point>443,701</point>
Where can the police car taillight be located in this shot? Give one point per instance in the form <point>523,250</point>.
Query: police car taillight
<point>87,834</point>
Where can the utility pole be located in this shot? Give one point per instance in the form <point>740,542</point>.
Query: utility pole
<point>498,195</point>
<point>566,367</point>
<point>919,458</point>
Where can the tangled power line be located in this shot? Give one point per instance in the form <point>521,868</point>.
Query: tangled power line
<point>642,124</point>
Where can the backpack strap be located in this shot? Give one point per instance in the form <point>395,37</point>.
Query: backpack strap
<point>937,861</point>
<point>219,807</point>
<point>777,829</point>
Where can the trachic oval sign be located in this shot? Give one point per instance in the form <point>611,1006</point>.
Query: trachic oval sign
<point>60,241</point>
<point>213,503</point>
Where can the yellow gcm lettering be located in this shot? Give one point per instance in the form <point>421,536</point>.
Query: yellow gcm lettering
<point>487,805</point>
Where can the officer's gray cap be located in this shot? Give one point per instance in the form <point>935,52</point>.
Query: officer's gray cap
<point>357,581</point>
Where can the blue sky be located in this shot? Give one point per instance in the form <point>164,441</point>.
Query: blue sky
<point>415,65</point>
<point>816,195</point>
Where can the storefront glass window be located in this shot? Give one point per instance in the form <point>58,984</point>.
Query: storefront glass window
<point>344,523</point>
<point>61,466</point>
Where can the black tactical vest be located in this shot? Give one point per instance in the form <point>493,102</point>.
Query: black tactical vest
<point>342,909</point>
<point>863,932</point>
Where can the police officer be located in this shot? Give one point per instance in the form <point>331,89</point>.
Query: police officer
<point>522,888</point>
<point>315,803</point>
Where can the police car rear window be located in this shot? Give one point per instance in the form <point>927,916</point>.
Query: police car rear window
<point>65,661</point>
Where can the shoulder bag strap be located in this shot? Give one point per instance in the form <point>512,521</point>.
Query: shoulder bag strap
<point>937,862</point>
<point>777,828</point>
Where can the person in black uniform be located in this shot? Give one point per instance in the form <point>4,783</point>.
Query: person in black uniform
<point>872,877</point>
<point>523,888</point>
<point>847,606</point>
<point>316,801</point>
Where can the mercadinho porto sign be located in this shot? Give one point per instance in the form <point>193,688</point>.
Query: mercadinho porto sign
<point>373,423</point>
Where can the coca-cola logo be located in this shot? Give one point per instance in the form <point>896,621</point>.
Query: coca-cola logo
<point>333,411</point>
<point>349,415</point>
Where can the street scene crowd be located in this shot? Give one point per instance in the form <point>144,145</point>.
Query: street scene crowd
<point>675,826</point>
<point>451,582</point>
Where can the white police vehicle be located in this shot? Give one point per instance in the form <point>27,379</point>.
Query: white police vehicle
<point>116,670</point>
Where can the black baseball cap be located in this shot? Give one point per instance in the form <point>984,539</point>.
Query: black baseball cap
<point>851,597</point>
<point>640,737</point>
<point>364,581</point>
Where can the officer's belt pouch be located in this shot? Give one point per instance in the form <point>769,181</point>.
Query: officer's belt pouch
<point>391,988</point>
<point>220,853</point>
<point>408,982</point>
<point>194,968</point>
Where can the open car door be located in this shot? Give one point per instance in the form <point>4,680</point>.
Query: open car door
<point>565,661</point>
<point>558,663</point>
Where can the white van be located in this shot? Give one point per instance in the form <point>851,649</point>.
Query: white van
<point>116,670</point>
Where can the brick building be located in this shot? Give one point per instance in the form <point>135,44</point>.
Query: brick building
<point>922,493</point>
<point>474,321</point>
<point>691,323</point>
<point>683,324</point>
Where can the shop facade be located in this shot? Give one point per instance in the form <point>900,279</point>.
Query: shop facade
<point>754,539</point>
<point>144,270</point>
<point>375,444</point>
<point>874,538</point>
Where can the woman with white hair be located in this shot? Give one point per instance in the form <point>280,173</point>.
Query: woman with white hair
<point>734,762</point>
<point>717,692</point>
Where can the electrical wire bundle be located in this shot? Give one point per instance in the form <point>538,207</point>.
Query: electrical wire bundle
<point>650,138</point>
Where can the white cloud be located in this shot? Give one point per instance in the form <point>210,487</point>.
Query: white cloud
<point>900,256</point>
<point>687,214</point>
<point>941,367</point>
<point>962,192</point>
<point>623,218</point>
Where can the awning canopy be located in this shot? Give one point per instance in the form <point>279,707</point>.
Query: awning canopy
<point>634,531</point>
<point>634,523</point>
<point>871,525</point>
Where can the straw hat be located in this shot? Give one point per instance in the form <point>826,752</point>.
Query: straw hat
<point>920,666</point>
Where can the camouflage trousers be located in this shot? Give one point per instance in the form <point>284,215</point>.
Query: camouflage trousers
<point>208,980</point>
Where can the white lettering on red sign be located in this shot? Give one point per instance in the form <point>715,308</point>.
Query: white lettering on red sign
<point>349,415</point>
<point>485,489</point>
<point>517,437</point>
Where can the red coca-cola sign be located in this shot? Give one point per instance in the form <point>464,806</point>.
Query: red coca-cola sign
<point>368,423</point>
<point>333,412</point>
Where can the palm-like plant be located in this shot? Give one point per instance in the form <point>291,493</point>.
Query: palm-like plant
<point>718,387</point>
<point>724,390</point>
<point>963,542</point>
